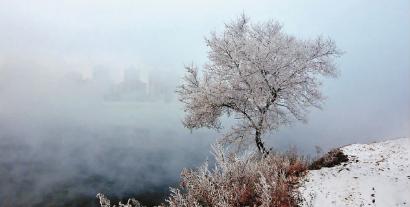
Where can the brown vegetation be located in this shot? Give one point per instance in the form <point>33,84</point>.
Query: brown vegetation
<point>330,159</point>
<point>251,180</point>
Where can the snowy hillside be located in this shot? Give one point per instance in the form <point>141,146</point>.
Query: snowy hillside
<point>376,174</point>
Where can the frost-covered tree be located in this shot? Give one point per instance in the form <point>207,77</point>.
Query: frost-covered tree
<point>260,75</point>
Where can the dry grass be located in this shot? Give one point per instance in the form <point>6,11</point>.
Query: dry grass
<point>249,180</point>
<point>330,159</point>
<point>235,181</point>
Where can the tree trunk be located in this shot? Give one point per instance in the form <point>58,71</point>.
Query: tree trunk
<point>259,143</point>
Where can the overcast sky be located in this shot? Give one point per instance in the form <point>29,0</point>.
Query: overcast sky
<point>67,134</point>
<point>370,99</point>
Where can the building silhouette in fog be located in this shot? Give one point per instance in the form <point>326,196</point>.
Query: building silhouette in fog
<point>131,88</point>
<point>157,87</point>
<point>132,81</point>
<point>101,75</point>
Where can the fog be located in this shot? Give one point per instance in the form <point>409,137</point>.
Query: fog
<point>63,136</point>
<point>87,100</point>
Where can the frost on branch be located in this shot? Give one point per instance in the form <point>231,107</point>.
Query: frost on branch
<point>249,179</point>
<point>257,73</point>
<point>245,180</point>
<point>105,202</point>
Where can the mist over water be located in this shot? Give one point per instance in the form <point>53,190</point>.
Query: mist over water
<point>65,138</point>
<point>87,100</point>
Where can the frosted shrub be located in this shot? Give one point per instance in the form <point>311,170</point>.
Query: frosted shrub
<point>250,179</point>
<point>246,180</point>
<point>105,202</point>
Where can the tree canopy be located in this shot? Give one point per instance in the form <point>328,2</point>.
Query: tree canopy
<point>257,73</point>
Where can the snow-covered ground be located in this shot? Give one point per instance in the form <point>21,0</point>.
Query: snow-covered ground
<point>377,174</point>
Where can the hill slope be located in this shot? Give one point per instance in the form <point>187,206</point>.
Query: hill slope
<point>376,174</point>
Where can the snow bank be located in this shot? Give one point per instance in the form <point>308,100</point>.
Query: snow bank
<point>377,174</point>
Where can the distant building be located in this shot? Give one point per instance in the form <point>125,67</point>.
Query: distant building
<point>101,75</point>
<point>160,87</point>
<point>130,89</point>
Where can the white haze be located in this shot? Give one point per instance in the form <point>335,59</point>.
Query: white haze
<point>57,126</point>
<point>60,132</point>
